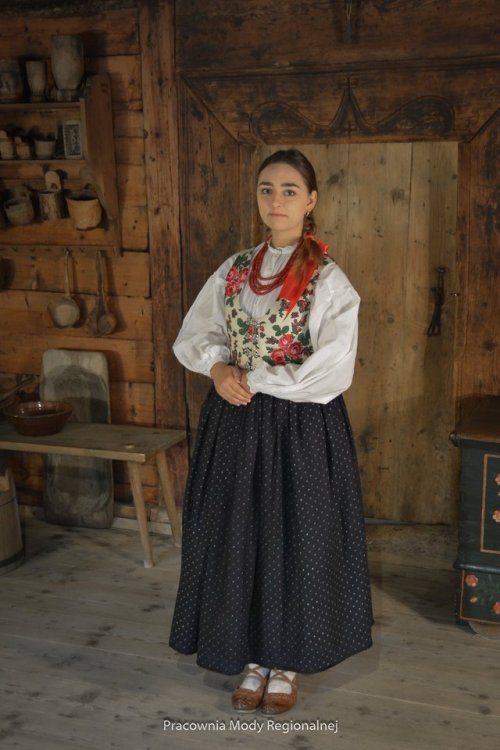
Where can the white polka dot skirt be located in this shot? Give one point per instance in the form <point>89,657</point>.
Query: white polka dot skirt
<point>274,566</point>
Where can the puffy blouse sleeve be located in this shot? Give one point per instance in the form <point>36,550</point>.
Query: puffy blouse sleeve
<point>202,340</point>
<point>333,325</point>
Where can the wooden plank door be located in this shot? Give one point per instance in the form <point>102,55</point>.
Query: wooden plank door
<point>388,212</point>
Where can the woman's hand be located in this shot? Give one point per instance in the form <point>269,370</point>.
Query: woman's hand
<point>230,383</point>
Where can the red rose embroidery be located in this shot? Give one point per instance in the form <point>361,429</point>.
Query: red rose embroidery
<point>286,340</point>
<point>278,356</point>
<point>251,330</point>
<point>231,288</point>
<point>473,599</point>
<point>496,608</point>
<point>232,274</point>
<point>243,274</point>
<point>471,580</point>
<point>496,516</point>
<point>295,349</point>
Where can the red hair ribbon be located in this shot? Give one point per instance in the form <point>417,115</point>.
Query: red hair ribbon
<point>324,248</point>
<point>293,287</point>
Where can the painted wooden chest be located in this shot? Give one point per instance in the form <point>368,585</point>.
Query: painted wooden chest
<point>478,558</point>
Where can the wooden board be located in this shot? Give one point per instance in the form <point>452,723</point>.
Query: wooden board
<point>40,268</point>
<point>128,360</point>
<point>78,491</point>
<point>410,690</point>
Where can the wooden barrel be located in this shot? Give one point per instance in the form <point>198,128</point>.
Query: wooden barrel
<point>11,542</point>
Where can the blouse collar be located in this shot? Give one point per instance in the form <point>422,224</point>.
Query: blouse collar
<point>280,250</point>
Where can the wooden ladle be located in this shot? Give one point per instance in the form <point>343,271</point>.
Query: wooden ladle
<point>101,322</point>
<point>63,309</point>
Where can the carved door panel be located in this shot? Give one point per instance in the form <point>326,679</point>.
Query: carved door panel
<point>388,212</point>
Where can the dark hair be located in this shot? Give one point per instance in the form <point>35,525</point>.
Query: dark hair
<point>296,159</point>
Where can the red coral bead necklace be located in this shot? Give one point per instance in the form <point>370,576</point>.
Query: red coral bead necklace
<point>263,284</point>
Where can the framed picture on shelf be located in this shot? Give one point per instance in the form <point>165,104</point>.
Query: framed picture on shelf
<point>72,139</point>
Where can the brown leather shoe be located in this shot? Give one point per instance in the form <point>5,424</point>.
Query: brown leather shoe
<point>245,700</point>
<point>277,703</point>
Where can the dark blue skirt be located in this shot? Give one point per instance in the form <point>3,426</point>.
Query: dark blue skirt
<point>274,565</point>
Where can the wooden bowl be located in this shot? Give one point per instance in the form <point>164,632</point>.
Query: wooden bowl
<point>38,417</point>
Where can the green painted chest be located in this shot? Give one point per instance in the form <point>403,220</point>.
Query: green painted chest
<point>478,558</point>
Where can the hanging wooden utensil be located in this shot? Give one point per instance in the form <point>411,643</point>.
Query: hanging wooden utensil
<point>106,322</point>
<point>100,321</point>
<point>96,311</point>
<point>63,309</point>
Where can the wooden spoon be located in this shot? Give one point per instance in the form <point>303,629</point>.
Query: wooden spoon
<point>100,321</point>
<point>106,322</point>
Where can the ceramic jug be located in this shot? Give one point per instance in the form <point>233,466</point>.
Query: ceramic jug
<point>67,65</point>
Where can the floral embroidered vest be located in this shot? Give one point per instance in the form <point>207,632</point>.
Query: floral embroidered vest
<point>272,338</point>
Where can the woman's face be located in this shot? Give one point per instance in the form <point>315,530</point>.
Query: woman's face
<point>284,199</point>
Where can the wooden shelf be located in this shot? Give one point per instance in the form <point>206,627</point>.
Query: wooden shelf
<point>54,232</point>
<point>94,111</point>
<point>54,163</point>
<point>39,106</point>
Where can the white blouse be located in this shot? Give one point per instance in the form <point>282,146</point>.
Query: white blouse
<point>333,326</point>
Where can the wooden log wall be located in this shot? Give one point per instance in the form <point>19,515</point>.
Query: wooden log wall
<point>262,36</point>
<point>245,77</point>
<point>479,222</point>
<point>300,77</point>
<point>112,42</point>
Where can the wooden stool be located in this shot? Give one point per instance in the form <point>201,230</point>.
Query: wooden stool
<point>128,443</point>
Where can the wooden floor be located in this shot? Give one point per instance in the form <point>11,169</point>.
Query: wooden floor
<point>85,661</point>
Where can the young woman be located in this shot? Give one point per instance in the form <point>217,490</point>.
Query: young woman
<point>274,573</point>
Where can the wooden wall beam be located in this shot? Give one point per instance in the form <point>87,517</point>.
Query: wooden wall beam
<point>156,31</point>
<point>263,35</point>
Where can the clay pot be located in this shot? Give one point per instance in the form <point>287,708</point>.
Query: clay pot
<point>36,73</point>
<point>23,149</point>
<point>11,82</point>
<point>67,65</point>
<point>19,211</point>
<point>38,417</point>
<point>45,149</point>
<point>7,148</point>
<point>84,209</point>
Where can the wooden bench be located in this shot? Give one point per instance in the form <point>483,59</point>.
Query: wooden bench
<point>128,443</point>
